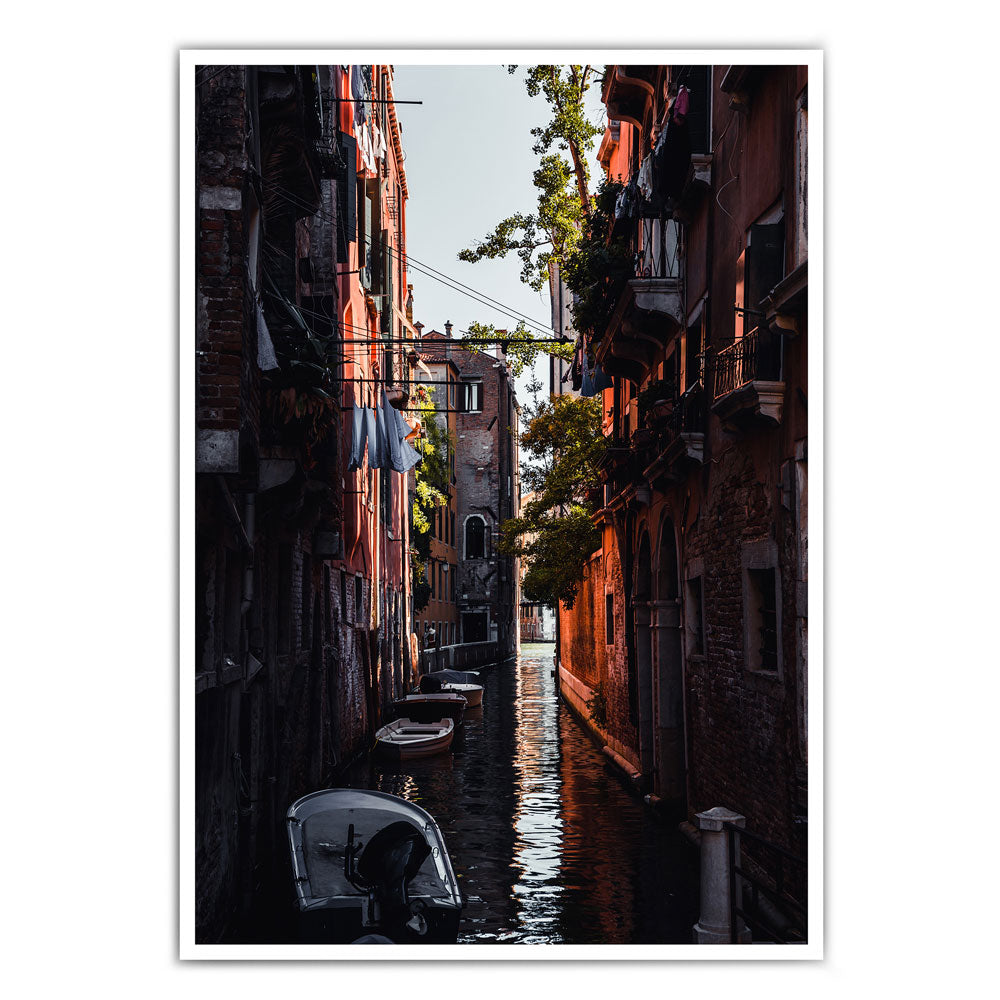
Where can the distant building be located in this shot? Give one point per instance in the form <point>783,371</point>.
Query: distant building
<point>481,396</point>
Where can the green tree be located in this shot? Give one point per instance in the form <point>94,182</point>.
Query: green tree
<point>554,532</point>
<point>433,481</point>
<point>548,235</point>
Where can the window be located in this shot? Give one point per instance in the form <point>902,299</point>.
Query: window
<point>475,538</point>
<point>763,625</point>
<point>472,397</point>
<point>698,80</point>
<point>761,608</point>
<point>609,619</point>
<point>451,526</point>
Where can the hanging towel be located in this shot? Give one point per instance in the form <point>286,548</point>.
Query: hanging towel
<point>371,433</point>
<point>382,430</point>
<point>267,360</point>
<point>587,386</point>
<point>601,380</point>
<point>645,178</point>
<point>357,92</point>
<point>402,455</point>
<point>358,437</point>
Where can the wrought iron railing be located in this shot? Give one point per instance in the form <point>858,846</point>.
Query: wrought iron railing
<point>773,902</point>
<point>657,248</point>
<point>756,356</point>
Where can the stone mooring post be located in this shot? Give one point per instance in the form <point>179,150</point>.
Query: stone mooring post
<point>713,926</point>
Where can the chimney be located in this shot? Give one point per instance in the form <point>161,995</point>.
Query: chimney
<point>419,327</point>
<point>447,329</point>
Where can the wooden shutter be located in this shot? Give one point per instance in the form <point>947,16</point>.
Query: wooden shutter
<point>347,198</point>
<point>764,263</point>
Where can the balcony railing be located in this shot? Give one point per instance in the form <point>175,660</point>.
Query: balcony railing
<point>755,357</point>
<point>657,248</point>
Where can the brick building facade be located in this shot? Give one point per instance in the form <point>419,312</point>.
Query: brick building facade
<point>301,565</point>
<point>697,598</point>
<point>487,489</point>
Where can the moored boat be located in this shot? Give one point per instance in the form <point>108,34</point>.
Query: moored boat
<point>431,707</point>
<point>472,693</point>
<point>407,739</point>
<point>370,864</point>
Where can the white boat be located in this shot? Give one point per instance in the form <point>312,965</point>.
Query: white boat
<point>472,693</point>
<point>405,739</point>
<point>368,863</point>
<point>431,707</point>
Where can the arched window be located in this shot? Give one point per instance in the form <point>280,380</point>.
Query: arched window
<point>475,538</point>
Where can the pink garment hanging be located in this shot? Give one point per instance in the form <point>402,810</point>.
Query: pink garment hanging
<point>681,102</point>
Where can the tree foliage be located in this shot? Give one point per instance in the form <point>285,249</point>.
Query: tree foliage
<point>433,481</point>
<point>563,195</point>
<point>554,532</point>
<point>546,237</point>
<point>520,347</point>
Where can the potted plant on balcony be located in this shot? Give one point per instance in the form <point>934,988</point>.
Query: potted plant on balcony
<point>656,402</point>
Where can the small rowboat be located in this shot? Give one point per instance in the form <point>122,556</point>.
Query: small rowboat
<point>431,707</point>
<point>405,739</point>
<point>472,693</point>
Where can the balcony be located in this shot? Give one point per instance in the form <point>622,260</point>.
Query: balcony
<point>649,307</point>
<point>748,379</point>
<point>627,92</point>
<point>681,435</point>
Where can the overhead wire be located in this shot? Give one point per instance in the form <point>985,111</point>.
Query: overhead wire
<point>414,263</point>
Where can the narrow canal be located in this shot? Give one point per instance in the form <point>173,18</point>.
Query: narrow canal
<point>548,846</point>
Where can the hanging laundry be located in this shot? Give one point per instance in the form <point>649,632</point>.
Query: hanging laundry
<point>378,142</point>
<point>401,456</point>
<point>357,92</point>
<point>602,381</point>
<point>680,108</point>
<point>645,178</point>
<point>382,433</point>
<point>267,360</point>
<point>587,385</point>
<point>358,438</point>
<point>371,433</point>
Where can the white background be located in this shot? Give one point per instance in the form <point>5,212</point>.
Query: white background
<point>90,446</point>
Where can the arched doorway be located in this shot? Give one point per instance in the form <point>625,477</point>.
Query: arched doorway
<point>669,673</point>
<point>644,655</point>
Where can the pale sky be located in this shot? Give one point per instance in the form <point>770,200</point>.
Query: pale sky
<point>468,165</point>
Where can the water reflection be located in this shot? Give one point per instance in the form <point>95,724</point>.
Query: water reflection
<point>547,845</point>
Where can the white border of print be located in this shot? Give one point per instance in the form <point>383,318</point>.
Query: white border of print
<point>190,59</point>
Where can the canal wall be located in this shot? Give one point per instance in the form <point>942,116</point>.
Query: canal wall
<point>575,693</point>
<point>462,656</point>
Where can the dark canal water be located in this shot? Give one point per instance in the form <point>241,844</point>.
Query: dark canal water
<point>548,846</point>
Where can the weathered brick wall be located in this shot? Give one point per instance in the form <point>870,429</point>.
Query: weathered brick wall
<point>486,454</point>
<point>228,386</point>
<point>740,722</point>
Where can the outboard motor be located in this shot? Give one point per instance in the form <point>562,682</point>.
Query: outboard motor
<point>429,685</point>
<point>384,868</point>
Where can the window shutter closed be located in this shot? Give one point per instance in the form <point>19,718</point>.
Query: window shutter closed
<point>347,195</point>
<point>765,261</point>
